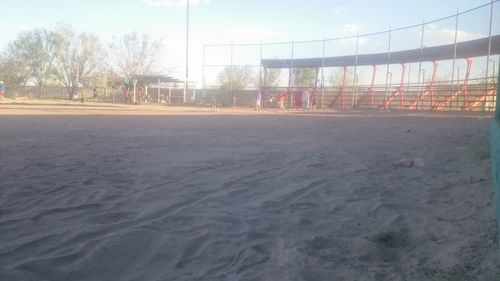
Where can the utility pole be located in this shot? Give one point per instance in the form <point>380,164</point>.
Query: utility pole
<point>187,53</point>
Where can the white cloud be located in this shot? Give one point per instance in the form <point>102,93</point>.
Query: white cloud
<point>170,3</point>
<point>243,34</point>
<point>441,36</point>
<point>340,10</point>
<point>350,28</point>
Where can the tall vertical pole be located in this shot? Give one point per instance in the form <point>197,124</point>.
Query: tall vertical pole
<point>420,59</point>
<point>290,73</point>
<point>260,66</point>
<point>454,55</point>
<point>232,77</point>
<point>187,53</point>
<point>388,62</point>
<point>204,92</point>
<point>323,74</point>
<point>355,74</point>
<point>488,56</point>
<point>409,77</point>
<point>159,94</point>
<point>261,89</point>
<point>497,102</point>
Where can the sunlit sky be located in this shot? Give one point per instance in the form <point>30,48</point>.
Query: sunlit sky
<point>224,21</point>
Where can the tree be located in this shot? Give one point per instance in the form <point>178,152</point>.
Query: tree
<point>337,76</point>
<point>32,52</point>
<point>133,54</point>
<point>272,77</point>
<point>77,58</point>
<point>235,78</point>
<point>14,73</point>
<point>304,77</point>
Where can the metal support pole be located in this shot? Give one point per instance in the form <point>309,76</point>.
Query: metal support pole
<point>458,83</point>
<point>290,74</point>
<point>401,91</point>
<point>466,82</point>
<point>308,103</point>
<point>342,88</point>
<point>388,62</point>
<point>488,56</point>
<point>454,55</point>
<point>494,70</point>
<point>497,103</point>
<point>373,83</point>
<point>433,81</point>
<point>204,92</point>
<point>264,87</point>
<point>421,52</point>
<point>187,53</point>
<point>260,67</point>
<point>232,77</point>
<point>323,75</point>
<point>409,78</point>
<point>390,82</point>
<point>421,88</point>
<point>353,103</point>
<point>355,89</point>
<point>159,90</point>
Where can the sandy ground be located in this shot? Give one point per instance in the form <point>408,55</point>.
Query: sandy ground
<point>239,195</point>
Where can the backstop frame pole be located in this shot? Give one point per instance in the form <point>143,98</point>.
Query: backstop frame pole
<point>323,75</point>
<point>353,103</point>
<point>388,63</point>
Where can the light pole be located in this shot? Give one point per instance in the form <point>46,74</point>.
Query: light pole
<point>187,53</point>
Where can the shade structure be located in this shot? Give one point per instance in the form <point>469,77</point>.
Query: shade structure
<point>467,49</point>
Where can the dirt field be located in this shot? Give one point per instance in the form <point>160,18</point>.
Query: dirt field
<point>128,193</point>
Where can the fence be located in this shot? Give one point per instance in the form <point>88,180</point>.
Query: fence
<point>452,84</point>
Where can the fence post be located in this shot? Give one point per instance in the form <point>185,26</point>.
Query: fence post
<point>355,74</point>
<point>204,92</point>
<point>323,75</point>
<point>388,63</point>
<point>232,77</point>
<point>420,59</point>
<point>454,56</point>
<point>488,56</point>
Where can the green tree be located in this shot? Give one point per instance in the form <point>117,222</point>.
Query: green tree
<point>32,51</point>
<point>235,78</point>
<point>14,73</point>
<point>337,76</point>
<point>272,77</point>
<point>304,77</point>
<point>77,58</point>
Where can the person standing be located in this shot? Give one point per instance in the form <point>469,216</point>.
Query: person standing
<point>258,100</point>
<point>282,102</point>
<point>94,93</point>
<point>2,91</point>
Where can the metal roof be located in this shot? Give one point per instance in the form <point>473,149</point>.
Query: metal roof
<point>472,48</point>
<point>156,78</point>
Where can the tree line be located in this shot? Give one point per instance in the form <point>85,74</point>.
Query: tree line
<point>241,77</point>
<point>74,59</point>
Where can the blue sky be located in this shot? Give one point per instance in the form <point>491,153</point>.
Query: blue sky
<point>224,21</point>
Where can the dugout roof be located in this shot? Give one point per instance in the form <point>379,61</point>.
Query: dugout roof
<point>156,78</point>
<point>472,48</point>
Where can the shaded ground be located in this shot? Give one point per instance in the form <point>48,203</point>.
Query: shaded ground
<point>238,195</point>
